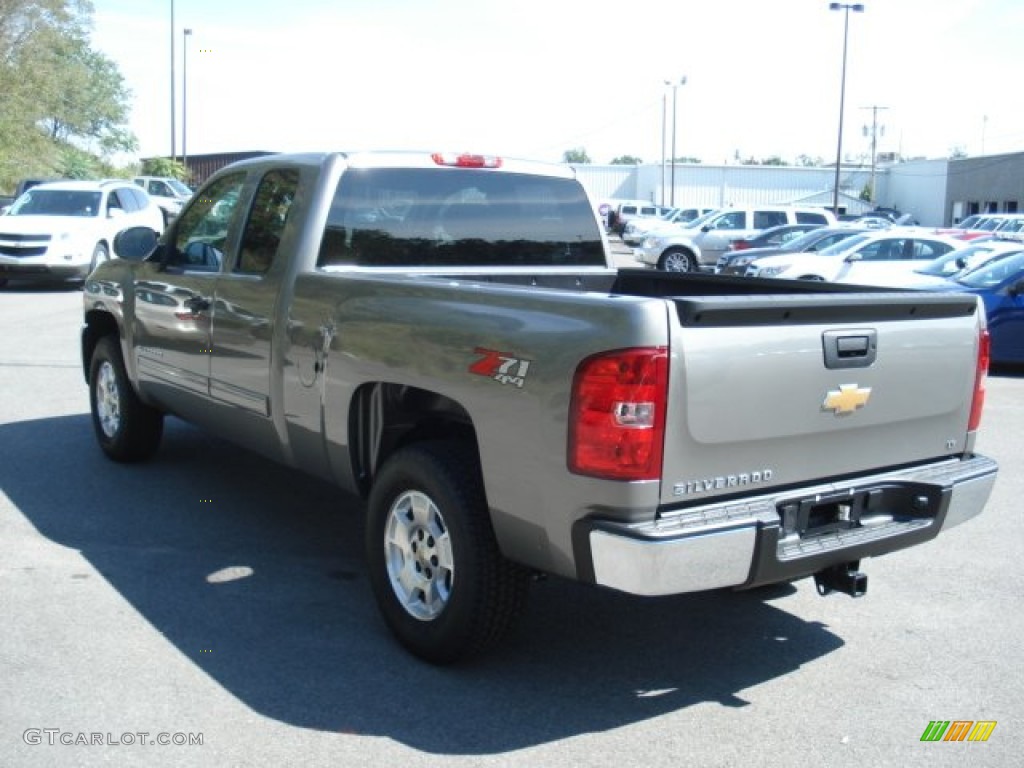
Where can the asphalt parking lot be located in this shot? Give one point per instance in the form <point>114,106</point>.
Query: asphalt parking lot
<point>210,596</point>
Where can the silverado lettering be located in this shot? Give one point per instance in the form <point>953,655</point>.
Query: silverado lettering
<point>717,483</point>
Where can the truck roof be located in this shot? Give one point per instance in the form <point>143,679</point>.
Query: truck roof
<point>416,159</point>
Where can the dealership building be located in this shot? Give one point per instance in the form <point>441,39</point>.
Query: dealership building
<point>936,193</point>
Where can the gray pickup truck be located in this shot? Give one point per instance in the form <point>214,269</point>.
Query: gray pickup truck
<point>445,335</point>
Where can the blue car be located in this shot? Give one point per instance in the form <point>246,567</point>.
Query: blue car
<point>1000,284</point>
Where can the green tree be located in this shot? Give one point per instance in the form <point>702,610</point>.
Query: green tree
<point>74,163</point>
<point>626,160</point>
<point>806,161</point>
<point>89,104</point>
<point>164,166</point>
<point>578,155</point>
<point>57,94</point>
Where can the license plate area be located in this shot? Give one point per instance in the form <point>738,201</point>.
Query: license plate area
<point>824,514</point>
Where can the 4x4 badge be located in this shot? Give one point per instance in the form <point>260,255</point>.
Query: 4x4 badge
<point>847,399</point>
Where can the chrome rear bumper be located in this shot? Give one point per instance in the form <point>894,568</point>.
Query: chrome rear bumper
<point>770,538</point>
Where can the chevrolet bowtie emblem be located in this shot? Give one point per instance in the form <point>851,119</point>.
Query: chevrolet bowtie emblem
<point>847,399</point>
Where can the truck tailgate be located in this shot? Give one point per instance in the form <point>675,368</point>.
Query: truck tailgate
<point>768,392</point>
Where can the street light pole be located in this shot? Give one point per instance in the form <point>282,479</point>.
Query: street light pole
<point>664,109</point>
<point>186,34</point>
<point>845,8</point>
<point>675,87</point>
<point>174,143</point>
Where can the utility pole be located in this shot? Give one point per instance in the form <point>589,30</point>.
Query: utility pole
<point>174,143</point>
<point>675,86</point>
<point>874,143</point>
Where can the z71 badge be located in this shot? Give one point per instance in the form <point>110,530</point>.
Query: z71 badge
<point>500,366</point>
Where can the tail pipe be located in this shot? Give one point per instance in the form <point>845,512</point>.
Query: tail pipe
<point>845,578</point>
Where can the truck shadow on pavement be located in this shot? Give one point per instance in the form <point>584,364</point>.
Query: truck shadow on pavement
<point>255,573</point>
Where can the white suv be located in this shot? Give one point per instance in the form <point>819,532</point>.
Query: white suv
<point>170,194</point>
<point>64,229</point>
<point>687,249</point>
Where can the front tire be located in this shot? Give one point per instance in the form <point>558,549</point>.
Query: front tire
<point>441,583</point>
<point>677,260</point>
<point>127,429</point>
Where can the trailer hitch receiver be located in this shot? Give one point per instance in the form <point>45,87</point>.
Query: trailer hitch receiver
<point>845,578</point>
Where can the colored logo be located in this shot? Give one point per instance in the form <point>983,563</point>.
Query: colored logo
<point>847,399</point>
<point>500,366</point>
<point>958,730</point>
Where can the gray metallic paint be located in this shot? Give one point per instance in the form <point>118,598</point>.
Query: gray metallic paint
<point>294,350</point>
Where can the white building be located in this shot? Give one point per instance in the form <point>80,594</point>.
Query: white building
<point>936,193</point>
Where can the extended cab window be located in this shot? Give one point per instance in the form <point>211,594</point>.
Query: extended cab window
<point>202,229</point>
<point>396,217</point>
<point>267,218</point>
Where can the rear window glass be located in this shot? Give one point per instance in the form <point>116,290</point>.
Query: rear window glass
<point>397,217</point>
<point>808,217</point>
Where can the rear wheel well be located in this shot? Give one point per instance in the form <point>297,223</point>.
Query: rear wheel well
<point>97,325</point>
<point>386,417</point>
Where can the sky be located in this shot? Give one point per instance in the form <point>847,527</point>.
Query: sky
<point>534,78</point>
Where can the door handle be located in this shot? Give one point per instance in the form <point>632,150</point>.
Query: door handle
<point>855,348</point>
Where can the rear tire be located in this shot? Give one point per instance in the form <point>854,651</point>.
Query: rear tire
<point>677,260</point>
<point>441,584</point>
<point>127,429</point>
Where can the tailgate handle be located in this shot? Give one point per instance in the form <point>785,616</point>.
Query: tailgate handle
<point>850,348</point>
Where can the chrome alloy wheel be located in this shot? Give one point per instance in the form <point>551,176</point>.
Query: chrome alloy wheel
<point>418,554</point>
<point>108,400</point>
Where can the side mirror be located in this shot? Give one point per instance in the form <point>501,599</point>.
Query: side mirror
<point>853,257</point>
<point>1016,289</point>
<point>135,243</point>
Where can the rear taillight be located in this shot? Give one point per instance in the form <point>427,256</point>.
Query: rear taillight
<point>984,357</point>
<point>617,414</point>
<point>740,245</point>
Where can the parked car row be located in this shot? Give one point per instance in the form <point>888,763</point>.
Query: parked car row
<point>62,230</point>
<point>980,225</point>
<point>699,245</point>
<point>866,257</point>
<point>736,261</point>
<point>636,228</point>
<point>983,255</point>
